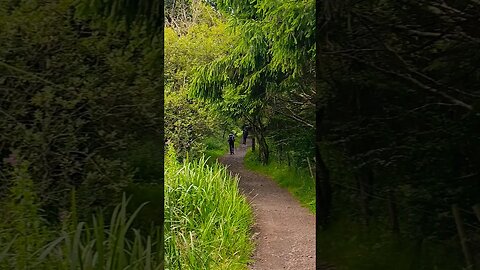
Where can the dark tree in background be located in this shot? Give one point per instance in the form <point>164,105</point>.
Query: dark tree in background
<point>399,83</point>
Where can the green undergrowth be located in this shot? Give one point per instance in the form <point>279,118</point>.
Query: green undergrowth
<point>128,236</point>
<point>207,220</point>
<point>151,214</point>
<point>27,241</point>
<point>145,158</point>
<point>297,180</point>
<point>349,246</point>
<point>215,148</point>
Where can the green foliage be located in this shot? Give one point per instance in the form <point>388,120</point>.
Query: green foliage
<point>80,104</point>
<point>147,13</point>
<point>151,214</point>
<point>268,71</point>
<point>298,181</point>
<point>215,147</point>
<point>203,39</point>
<point>104,244</point>
<point>22,229</point>
<point>73,96</point>
<point>145,158</point>
<point>207,221</point>
<point>187,123</point>
<point>275,41</point>
<point>108,245</point>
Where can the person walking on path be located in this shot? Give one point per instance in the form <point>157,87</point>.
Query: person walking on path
<point>245,134</point>
<point>231,143</point>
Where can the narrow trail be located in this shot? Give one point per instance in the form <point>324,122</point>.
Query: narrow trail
<point>284,231</point>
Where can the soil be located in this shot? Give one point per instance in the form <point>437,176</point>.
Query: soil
<point>284,231</point>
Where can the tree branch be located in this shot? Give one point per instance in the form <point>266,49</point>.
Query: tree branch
<point>414,81</point>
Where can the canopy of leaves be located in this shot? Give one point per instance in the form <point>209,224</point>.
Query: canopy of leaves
<point>269,68</point>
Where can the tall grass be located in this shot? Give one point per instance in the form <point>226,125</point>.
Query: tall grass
<point>297,180</point>
<point>28,242</point>
<point>107,245</point>
<point>103,245</point>
<point>207,220</point>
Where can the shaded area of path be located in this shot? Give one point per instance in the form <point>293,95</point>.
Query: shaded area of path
<point>284,231</point>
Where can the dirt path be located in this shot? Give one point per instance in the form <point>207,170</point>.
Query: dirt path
<point>284,231</point>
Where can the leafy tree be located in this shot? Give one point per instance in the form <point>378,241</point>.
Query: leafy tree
<point>274,50</point>
<point>188,121</point>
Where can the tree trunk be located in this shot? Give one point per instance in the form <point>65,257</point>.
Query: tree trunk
<point>263,149</point>
<point>253,143</point>
<point>258,132</point>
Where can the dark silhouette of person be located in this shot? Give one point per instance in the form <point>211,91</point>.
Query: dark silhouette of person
<point>231,143</point>
<point>245,134</point>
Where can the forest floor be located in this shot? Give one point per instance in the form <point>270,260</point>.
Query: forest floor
<point>284,231</point>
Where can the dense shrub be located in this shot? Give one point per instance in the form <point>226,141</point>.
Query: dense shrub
<point>72,97</point>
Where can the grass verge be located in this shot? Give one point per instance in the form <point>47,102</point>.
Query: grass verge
<point>298,181</point>
<point>207,220</point>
